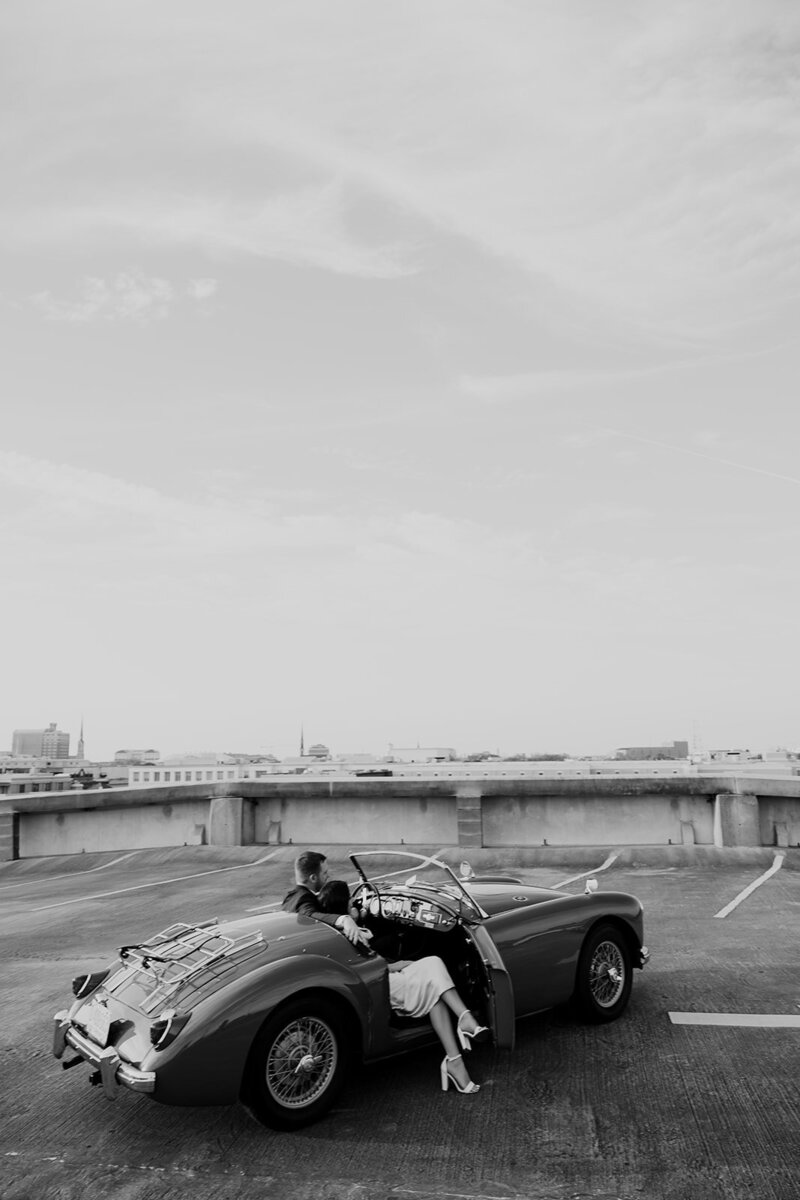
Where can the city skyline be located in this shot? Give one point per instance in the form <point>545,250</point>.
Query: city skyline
<point>694,747</point>
<point>418,375</point>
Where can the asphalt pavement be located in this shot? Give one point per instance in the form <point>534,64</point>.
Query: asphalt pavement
<point>645,1107</point>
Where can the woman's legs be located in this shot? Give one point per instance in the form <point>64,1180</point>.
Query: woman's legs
<point>440,1020</point>
<point>454,1002</point>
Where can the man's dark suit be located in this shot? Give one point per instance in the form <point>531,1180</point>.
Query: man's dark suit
<point>303,901</point>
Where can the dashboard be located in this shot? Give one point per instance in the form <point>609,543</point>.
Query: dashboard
<point>410,910</point>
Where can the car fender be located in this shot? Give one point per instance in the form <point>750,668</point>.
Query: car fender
<point>206,1062</point>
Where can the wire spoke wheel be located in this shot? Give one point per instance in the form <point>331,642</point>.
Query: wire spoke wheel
<point>607,974</point>
<point>301,1062</point>
<point>604,975</point>
<point>298,1062</point>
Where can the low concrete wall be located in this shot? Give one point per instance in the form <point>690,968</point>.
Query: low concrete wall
<point>42,834</point>
<point>634,811</point>
<point>778,821</point>
<point>360,819</point>
<point>560,820</point>
<point>736,820</point>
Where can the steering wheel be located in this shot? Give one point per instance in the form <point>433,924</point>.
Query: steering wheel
<point>367,899</point>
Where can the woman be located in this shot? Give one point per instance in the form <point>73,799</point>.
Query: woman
<point>423,988</point>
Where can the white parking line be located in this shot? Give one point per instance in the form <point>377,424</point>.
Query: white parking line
<point>738,1020</point>
<point>157,883</point>
<point>751,887</point>
<point>69,874</point>
<point>611,858</point>
<point>263,907</point>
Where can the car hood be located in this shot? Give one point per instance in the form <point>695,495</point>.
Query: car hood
<point>495,898</point>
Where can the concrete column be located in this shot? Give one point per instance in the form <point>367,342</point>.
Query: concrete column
<point>231,821</point>
<point>469,816</point>
<point>736,821</point>
<point>9,836</point>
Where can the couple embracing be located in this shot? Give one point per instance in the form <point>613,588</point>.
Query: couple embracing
<point>416,989</point>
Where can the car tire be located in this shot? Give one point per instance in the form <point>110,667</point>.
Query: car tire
<point>605,975</point>
<point>298,1064</point>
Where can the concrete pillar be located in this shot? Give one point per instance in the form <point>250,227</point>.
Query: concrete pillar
<point>469,816</point>
<point>736,821</point>
<point>9,836</point>
<point>231,821</point>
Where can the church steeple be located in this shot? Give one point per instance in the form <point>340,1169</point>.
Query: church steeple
<point>302,747</point>
<point>81,751</point>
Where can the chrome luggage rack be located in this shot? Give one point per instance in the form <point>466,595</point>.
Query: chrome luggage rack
<point>179,955</point>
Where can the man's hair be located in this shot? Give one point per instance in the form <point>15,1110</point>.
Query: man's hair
<point>334,897</point>
<point>308,863</point>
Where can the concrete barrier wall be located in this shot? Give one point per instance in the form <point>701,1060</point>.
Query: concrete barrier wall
<point>602,821</point>
<point>779,821</point>
<point>361,820</point>
<point>43,834</point>
<point>387,811</point>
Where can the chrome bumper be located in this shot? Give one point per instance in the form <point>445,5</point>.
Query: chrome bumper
<point>644,956</point>
<point>114,1073</point>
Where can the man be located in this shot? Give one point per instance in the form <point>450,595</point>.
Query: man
<point>311,874</point>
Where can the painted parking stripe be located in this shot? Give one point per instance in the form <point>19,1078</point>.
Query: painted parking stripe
<point>611,858</point>
<point>739,1020</point>
<point>156,883</point>
<point>6,887</point>
<point>751,887</point>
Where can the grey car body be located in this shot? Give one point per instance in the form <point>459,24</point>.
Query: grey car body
<point>274,1009</point>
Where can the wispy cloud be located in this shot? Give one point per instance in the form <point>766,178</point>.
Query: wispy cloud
<point>703,439</point>
<point>650,164</point>
<point>499,388</point>
<point>129,296</point>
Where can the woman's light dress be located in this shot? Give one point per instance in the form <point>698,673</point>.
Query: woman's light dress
<point>414,990</point>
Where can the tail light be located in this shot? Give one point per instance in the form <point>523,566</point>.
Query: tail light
<point>82,985</point>
<point>167,1027</point>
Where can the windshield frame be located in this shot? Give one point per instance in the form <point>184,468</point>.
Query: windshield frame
<point>422,860</point>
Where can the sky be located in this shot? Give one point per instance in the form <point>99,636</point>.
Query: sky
<point>417,374</point>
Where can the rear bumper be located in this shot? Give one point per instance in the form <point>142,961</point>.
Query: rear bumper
<point>114,1071</point>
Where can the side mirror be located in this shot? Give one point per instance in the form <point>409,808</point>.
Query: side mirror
<point>591,886</point>
<point>465,870</point>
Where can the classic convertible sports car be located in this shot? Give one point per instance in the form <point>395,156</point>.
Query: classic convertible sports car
<point>274,1009</point>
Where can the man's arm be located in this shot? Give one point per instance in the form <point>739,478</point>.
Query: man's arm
<point>308,906</point>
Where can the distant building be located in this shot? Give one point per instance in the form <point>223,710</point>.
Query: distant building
<point>34,781</point>
<point>41,743</point>
<point>201,768</point>
<point>665,751</point>
<point>135,758</point>
<point>421,754</point>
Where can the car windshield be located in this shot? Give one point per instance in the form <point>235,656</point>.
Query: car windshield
<point>397,868</point>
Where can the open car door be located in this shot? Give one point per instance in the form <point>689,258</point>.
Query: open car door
<point>499,990</point>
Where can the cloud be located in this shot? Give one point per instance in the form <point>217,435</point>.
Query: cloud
<point>130,296</point>
<point>499,388</point>
<point>645,160</point>
<point>304,226</point>
<point>201,289</point>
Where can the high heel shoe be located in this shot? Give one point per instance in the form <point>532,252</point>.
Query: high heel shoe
<point>465,1036</point>
<point>447,1078</point>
